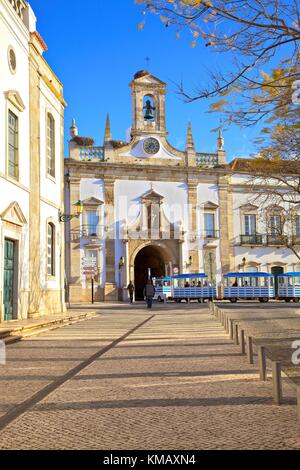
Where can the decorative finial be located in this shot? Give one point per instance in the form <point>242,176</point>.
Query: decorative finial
<point>73,129</point>
<point>190,146</point>
<point>107,135</point>
<point>220,140</point>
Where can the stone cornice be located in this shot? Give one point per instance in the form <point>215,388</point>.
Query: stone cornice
<point>124,170</point>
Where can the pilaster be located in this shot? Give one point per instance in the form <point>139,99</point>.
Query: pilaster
<point>110,289</point>
<point>74,235</point>
<point>226,225</point>
<point>34,209</point>
<point>193,226</point>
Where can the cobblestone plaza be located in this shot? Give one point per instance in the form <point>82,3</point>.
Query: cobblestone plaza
<point>129,379</point>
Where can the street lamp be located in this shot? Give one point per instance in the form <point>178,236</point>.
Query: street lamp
<point>67,217</point>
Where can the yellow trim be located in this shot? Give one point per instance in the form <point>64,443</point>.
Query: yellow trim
<point>54,90</point>
<point>50,203</point>
<point>24,4</point>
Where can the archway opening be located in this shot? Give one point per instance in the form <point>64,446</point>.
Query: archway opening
<point>149,257</point>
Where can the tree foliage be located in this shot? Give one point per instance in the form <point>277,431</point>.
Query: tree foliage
<point>261,40</point>
<point>252,32</point>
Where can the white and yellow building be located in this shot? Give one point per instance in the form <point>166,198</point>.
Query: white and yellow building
<point>31,170</point>
<point>149,205</point>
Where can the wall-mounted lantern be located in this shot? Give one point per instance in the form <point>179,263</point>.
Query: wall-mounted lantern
<point>67,217</point>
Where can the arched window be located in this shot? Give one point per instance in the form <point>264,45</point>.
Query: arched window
<point>51,249</point>
<point>50,145</point>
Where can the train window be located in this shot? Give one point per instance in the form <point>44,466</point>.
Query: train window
<point>297,281</point>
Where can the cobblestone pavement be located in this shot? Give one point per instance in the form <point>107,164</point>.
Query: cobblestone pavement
<point>177,382</point>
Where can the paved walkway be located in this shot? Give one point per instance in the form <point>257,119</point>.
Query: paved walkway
<point>16,329</point>
<point>134,379</point>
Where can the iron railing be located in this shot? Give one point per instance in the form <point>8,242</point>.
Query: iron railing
<point>277,240</point>
<point>267,240</point>
<point>251,239</point>
<point>211,234</point>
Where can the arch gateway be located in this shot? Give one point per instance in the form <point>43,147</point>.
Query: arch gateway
<point>148,205</point>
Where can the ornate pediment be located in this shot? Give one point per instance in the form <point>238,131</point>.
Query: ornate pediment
<point>210,205</point>
<point>275,209</point>
<point>14,215</point>
<point>15,99</point>
<point>146,78</point>
<point>92,202</point>
<point>152,195</point>
<point>248,207</point>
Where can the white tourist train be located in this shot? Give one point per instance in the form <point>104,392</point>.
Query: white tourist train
<point>237,286</point>
<point>249,285</point>
<point>192,287</point>
<point>163,290</point>
<point>289,287</point>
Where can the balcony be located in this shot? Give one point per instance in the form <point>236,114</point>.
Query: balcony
<point>251,240</point>
<point>278,240</point>
<point>295,240</point>
<point>89,154</point>
<point>211,234</point>
<point>91,231</point>
<point>268,240</point>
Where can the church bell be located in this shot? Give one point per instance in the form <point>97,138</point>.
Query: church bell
<point>149,115</point>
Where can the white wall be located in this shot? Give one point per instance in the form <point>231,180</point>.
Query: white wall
<point>50,188</point>
<point>14,34</point>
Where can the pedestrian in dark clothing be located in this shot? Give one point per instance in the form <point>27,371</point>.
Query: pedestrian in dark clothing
<point>130,289</point>
<point>149,293</point>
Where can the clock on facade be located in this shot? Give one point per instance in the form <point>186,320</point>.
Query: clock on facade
<point>151,146</point>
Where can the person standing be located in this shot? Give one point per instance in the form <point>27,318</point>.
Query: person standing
<point>130,289</point>
<point>149,293</point>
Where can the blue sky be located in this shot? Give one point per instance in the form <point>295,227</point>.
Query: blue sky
<point>95,48</point>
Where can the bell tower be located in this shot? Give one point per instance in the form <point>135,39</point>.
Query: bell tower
<point>148,105</point>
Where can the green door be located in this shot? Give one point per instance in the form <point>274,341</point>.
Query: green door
<point>9,256</point>
<point>277,271</point>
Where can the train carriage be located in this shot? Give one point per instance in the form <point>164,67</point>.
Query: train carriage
<point>192,287</point>
<point>162,288</point>
<point>289,287</point>
<point>249,285</point>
